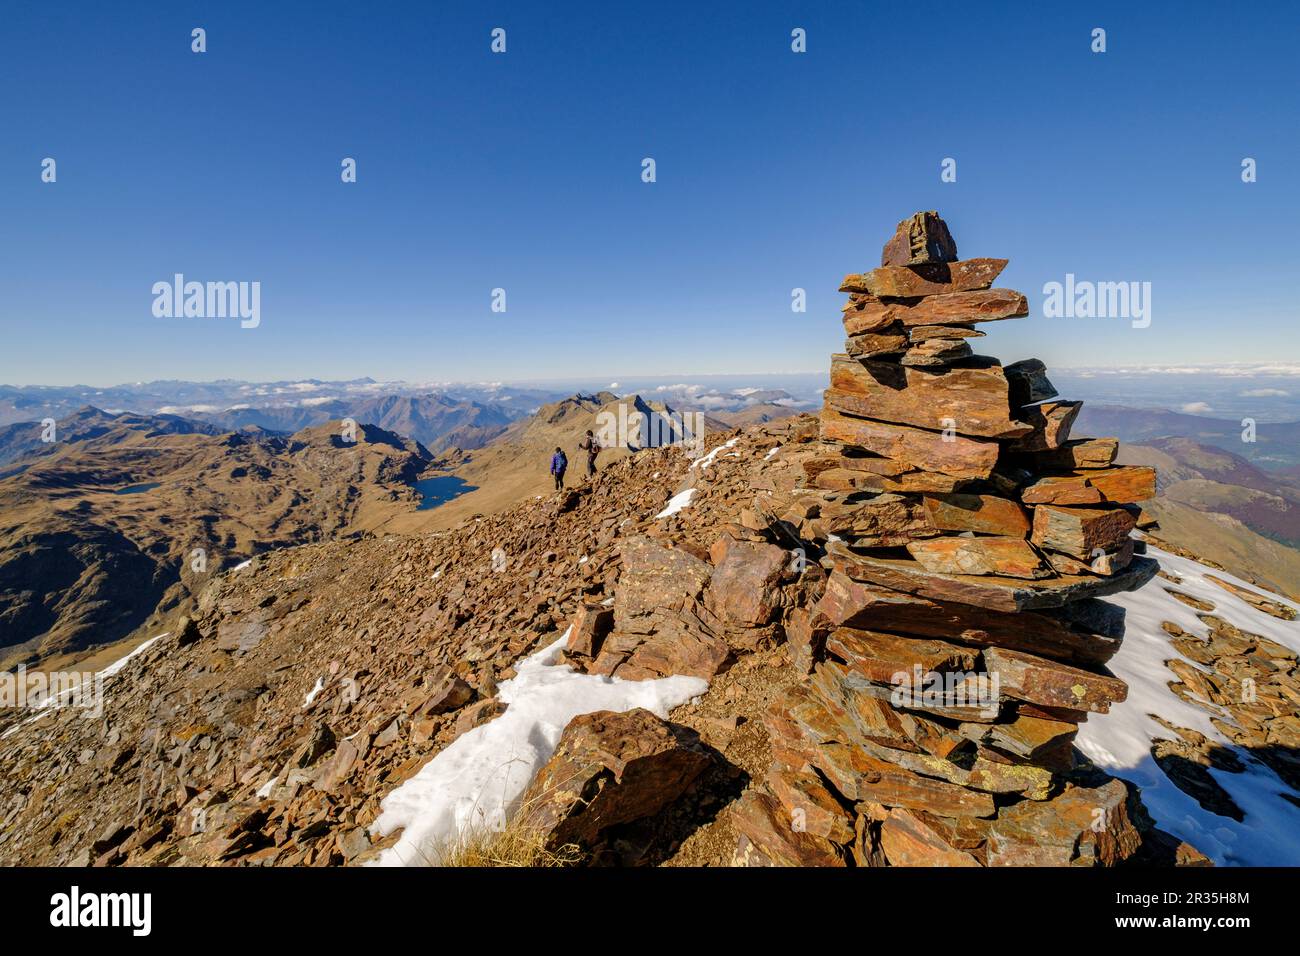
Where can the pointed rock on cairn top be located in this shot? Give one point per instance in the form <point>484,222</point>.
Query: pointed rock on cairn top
<point>958,641</point>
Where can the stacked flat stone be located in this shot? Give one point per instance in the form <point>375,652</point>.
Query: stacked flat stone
<point>965,533</point>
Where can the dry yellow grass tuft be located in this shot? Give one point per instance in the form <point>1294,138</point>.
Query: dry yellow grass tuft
<point>518,844</point>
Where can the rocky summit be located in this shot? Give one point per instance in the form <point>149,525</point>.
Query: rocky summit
<point>889,618</point>
<point>958,643</point>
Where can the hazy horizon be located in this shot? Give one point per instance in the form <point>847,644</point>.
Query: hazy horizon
<point>1266,392</point>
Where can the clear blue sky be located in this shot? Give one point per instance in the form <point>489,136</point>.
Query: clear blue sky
<point>522,171</point>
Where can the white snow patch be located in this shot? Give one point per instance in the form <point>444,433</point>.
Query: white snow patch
<point>476,782</point>
<point>242,564</point>
<point>1121,740</point>
<point>772,453</point>
<point>265,789</point>
<point>678,501</point>
<point>707,460</point>
<point>121,662</point>
<point>51,702</point>
<point>583,560</point>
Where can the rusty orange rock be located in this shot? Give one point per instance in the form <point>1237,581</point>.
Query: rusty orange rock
<point>936,278</point>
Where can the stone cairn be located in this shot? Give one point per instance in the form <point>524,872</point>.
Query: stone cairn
<point>958,642</point>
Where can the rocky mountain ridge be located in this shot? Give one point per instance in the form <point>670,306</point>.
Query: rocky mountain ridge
<point>318,679</point>
<point>893,618</point>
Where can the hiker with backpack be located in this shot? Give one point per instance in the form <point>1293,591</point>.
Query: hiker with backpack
<point>592,448</point>
<point>558,464</point>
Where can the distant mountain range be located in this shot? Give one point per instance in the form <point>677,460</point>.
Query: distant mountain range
<point>98,526</point>
<point>434,420</point>
<point>92,428</point>
<point>127,516</point>
<point>1225,510</point>
<point>1276,445</point>
<point>437,415</point>
<point>238,468</point>
<point>515,465</point>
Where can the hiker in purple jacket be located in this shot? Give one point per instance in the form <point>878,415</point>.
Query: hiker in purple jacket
<point>558,464</point>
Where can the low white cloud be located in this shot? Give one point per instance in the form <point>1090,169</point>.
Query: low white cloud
<point>182,409</point>
<point>1265,393</point>
<point>1196,408</point>
<point>1224,370</point>
<point>683,388</point>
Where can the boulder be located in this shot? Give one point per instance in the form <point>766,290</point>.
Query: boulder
<point>477,714</point>
<point>742,588</point>
<point>1081,532</point>
<point>936,353</point>
<point>882,521</point>
<point>447,691</point>
<point>870,314</point>
<point>811,806</point>
<point>996,592</point>
<point>587,632</point>
<point>1125,484</point>
<point>655,577</point>
<point>187,631</point>
<point>983,514</point>
<point>872,344</point>
<point>1005,556</point>
<point>1024,736</point>
<point>1078,453</point>
<point>919,239</point>
<point>861,604</point>
<point>1082,825</point>
<point>953,455</point>
<point>658,629</point>
<point>935,278</point>
<point>610,769</point>
<point>909,481</point>
<point>880,657</point>
<point>1051,683</point>
<point>769,838</point>
<point>909,841</point>
<point>922,333</point>
<point>967,401</point>
<point>1107,561</point>
<point>319,741</point>
<point>1051,422</point>
<point>675,642</point>
<point>1028,383</point>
